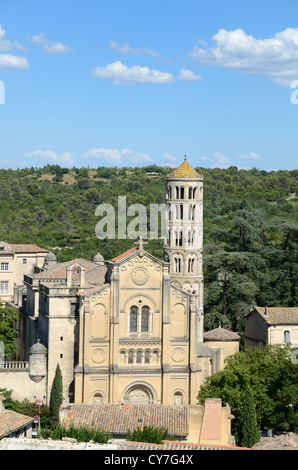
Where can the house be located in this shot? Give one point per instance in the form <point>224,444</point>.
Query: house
<point>16,260</point>
<point>271,325</point>
<point>14,424</point>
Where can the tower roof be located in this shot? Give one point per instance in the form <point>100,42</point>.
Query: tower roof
<point>185,170</point>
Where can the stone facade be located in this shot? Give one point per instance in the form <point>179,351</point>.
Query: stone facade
<point>271,325</point>
<point>15,261</point>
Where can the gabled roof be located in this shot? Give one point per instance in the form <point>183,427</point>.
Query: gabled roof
<point>11,421</point>
<point>22,248</point>
<point>124,255</point>
<point>277,315</point>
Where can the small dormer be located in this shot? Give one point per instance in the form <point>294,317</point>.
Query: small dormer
<point>75,276</point>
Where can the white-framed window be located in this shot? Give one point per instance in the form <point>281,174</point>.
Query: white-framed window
<point>286,336</point>
<point>4,287</point>
<point>4,266</point>
<point>24,260</point>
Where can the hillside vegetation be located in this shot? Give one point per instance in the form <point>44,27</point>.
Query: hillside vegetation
<point>250,226</point>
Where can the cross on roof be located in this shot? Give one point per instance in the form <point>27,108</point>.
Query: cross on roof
<point>141,243</point>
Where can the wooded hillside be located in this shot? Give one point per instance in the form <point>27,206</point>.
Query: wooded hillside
<point>250,226</point>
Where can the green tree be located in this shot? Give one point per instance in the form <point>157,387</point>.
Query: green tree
<point>273,379</point>
<point>8,333</point>
<point>150,434</point>
<point>249,430</point>
<point>56,396</point>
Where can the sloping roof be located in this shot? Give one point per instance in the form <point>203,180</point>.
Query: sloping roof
<point>11,421</point>
<point>94,274</point>
<point>118,419</point>
<point>123,255</point>
<point>23,248</point>
<point>279,315</point>
<point>185,170</point>
<point>220,334</point>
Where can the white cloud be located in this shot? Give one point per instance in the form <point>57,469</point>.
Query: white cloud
<point>115,156</point>
<point>10,61</point>
<point>170,158</point>
<point>49,47</point>
<point>49,155</point>
<point>249,156</point>
<point>188,76</point>
<point>120,74</point>
<point>218,160</point>
<point>126,49</point>
<point>275,57</point>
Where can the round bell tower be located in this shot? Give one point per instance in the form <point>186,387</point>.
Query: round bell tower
<point>183,247</point>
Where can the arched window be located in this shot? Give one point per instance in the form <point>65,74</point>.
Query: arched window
<point>181,211</point>
<point>130,357</point>
<point>180,237</point>
<point>177,192</point>
<point>145,319</point>
<point>177,265</point>
<point>139,357</point>
<point>181,193</point>
<point>133,324</point>
<point>190,193</point>
<point>147,357</point>
<point>287,336</point>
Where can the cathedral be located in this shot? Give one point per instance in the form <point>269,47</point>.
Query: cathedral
<point>131,329</point>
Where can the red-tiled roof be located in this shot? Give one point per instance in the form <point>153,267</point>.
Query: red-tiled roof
<point>220,334</point>
<point>23,248</point>
<point>128,252</point>
<point>118,419</point>
<point>280,315</point>
<point>11,421</point>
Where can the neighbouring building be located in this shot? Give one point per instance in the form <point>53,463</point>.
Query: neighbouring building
<point>14,424</point>
<point>271,325</point>
<point>16,260</point>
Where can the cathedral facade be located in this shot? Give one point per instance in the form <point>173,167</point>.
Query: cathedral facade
<point>130,330</point>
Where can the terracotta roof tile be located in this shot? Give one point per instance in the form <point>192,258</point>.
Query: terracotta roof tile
<point>118,419</point>
<point>123,255</point>
<point>11,421</point>
<point>23,248</point>
<point>220,334</point>
<point>281,315</point>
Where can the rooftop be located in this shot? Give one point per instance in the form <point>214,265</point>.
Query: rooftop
<point>185,170</point>
<point>278,315</point>
<point>220,334</point>
<point>22,248</point>
<point>118,419</point>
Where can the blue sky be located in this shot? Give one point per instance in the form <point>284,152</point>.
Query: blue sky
<point>113,83</point>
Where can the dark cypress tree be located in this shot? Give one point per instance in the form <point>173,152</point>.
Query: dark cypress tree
<point>249,429</point>
<point>56,396</point>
